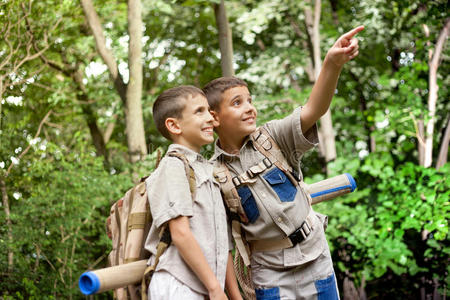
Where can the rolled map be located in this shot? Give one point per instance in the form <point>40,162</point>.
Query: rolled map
<point>92,282</point>
<point>331,188</point>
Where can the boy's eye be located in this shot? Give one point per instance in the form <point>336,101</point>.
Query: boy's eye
<point>237,102</point>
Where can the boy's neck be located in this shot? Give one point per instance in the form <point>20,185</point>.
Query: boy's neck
<point>231,145</point>
<point>183,142</point>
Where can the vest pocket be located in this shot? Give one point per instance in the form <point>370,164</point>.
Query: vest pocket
<point>248,203</point>
<point>284,188</point>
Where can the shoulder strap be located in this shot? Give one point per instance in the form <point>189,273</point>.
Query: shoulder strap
<point>267,146</point>
<point>230,194</point>
<point>237,213</point>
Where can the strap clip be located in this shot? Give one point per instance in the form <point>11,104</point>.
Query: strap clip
<point>267,162</point>
<point>236,181</point>
<point>300,234</point>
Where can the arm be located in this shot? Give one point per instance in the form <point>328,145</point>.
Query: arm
<point>345,49</point>
<point>231,284</point>
<point>192,254</point>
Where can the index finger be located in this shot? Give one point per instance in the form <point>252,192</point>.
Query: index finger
<point>353,32</point>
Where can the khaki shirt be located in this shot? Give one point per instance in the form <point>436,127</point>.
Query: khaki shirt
<point>275,207</point>
<point>170,197</point>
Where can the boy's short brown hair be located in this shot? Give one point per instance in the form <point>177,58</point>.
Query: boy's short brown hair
<point>169,104</point>
<point>214,89</point>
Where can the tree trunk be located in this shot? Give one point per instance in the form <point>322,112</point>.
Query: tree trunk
<point>100,41</point>
<point>89,116</point>
<point>443,152</point>
<point>5,203</point>
<point>135,121</point>
<point>433,93</point>
<point>131,94</point>
<point>225,39</point>
<point>1,101</point>
<point>326,131</point>
<point>421,141</point>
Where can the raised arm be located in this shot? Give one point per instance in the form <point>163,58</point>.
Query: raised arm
<point>343,50</point>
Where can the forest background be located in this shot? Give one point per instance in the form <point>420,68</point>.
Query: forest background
<point>77,83</point>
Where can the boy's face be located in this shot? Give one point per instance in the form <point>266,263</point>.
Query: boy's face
<point>237,115</point>
<point>196,124</point>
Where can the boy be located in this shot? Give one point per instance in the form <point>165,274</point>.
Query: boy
<point>198,263</point>
<point>284,237</point>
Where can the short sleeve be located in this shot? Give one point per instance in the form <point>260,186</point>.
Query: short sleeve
<point>169,195</point>
<point>287,133</point>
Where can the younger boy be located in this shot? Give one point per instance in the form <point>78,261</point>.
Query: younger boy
<point>289,254</point>
<point>198,263</point>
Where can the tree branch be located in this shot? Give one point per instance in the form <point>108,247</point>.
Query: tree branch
<point>29,145</point>
<point>433,92</point>
<point>100,42</point>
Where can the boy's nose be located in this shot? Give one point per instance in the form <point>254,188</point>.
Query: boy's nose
<point>209,117</point>
<point>249,107</point>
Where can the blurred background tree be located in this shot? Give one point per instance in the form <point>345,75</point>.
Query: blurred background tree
<point>68,72</point>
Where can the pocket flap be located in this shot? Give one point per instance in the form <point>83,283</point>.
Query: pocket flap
<point>276,176</point>
<point>244,192</point>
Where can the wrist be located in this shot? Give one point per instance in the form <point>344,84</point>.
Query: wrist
<point>331,64</point>
<point>213,286</point>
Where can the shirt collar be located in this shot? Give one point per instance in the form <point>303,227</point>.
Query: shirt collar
<point>219,151</point>
<point>190,154</point>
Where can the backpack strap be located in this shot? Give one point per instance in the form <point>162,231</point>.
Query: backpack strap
<point>164,234</point>
<point>116,208</point>
<point>234,205</point>
<point>266,145</point>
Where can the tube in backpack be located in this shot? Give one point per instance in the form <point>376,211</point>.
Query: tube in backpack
<point>331,188</point>
<point>105,279</point>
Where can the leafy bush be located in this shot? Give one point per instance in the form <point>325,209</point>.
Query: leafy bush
<point>394,225</point>
<point>58,223</point>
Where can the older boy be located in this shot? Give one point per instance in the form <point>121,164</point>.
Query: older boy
<point>198,263</point>
<point>283,236</point>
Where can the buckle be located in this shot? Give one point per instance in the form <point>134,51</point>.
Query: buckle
<point>300,234</point>
<point>236,179</point>
<point>267,162</point>
<point>250,174</point>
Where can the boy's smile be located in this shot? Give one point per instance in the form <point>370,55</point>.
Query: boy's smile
<point>196,124</point>
<point>236,118</point>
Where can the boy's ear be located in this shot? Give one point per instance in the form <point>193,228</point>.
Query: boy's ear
<point>173,126</point>
<point>215,116</point>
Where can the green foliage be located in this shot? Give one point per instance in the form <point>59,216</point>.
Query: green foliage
<point>58,221</point>
<point>396,221</point>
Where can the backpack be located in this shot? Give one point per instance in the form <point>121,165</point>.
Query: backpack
<point>128,225</point>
